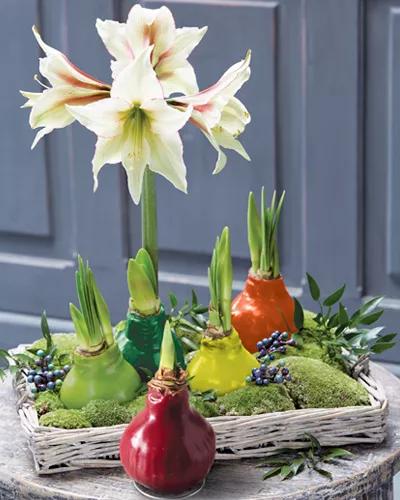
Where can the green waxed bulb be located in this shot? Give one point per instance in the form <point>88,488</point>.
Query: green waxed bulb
<point>99,370</point>
<point>140,340</point>
<point>104,376</point>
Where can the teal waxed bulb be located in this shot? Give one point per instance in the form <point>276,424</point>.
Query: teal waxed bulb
<point>99,371</point>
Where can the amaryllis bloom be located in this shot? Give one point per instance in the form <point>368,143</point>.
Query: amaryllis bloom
<point>171,46</point>
<point>137,127</point>
<point>218,113</point>
<point>69,85</point>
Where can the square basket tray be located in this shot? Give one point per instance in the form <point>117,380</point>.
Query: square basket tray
<point>58,450</point>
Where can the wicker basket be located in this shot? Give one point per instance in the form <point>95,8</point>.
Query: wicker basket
<point>59,450</point>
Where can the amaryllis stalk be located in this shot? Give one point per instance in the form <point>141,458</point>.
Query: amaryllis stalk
<point>140,338</point>
<point>99,370</point>
<point>222,363</point>
<point>138,118</point>
<point>264,306</point>
<point>168,447</point>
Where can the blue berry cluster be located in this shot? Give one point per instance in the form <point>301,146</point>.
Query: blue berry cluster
<point>265,375</point>
<point>267,348</point>
<point>277,342</point>
<point>45,376</point>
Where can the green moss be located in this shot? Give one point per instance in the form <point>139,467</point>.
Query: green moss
<point>315,384</point>
<point>65,344</point>
<point>309,322</point>
<point>314,351</point>
<point>65,419</point>
<point>137,405</point>
<point>104,413</point>
<point>254,400</point>
<point>47,401</point>
<point>205,408</point>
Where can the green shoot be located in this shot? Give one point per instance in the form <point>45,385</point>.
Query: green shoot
<point>167,358</point>
<point>142,284</point>
<point>92,322</point>
<point>262,235</point>
<point>220,276</point>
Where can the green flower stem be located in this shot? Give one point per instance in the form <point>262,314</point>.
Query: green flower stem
<point>149,218</point>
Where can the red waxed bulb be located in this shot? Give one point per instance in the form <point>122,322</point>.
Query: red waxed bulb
<point>168,447</point>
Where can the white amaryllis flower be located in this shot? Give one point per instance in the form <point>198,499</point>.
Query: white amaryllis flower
<point>171,46</point>
<point>220,115</point>
<point>137,127</point>
<point>69,85</point>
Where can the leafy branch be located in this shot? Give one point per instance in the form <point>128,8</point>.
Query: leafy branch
<point>343,335</point>
<point>189,321</point>
<point>291,463</point>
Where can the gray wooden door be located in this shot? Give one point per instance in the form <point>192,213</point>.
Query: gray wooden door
<point>324,127</point>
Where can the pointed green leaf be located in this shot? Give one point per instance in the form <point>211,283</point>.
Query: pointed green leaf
<point>334,297</point>
<point>143,298</point>
<point>44,325</point>
<point>314,288</point>
<point>342,315</point>
<point>143,258</point>
<point>254,233</point>
<point>173,300</point>
<point>103,314</point>
<point>80,326</point>
<point>167,356</point>
<point>370,318</point>
<point>298,314</point>
<point>271,473</point>
<point>323,472</point>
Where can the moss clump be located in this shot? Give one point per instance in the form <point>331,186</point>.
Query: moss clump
<point>65,344</point>
<point>65,419</point>
<point>205,408</point>
<point>104,413</point>
<point>312,350</point>
<point>254,400</point>
<point>47,401</point>
<point>136,405</point>
<point>315,384</point>
<point>309,322</point>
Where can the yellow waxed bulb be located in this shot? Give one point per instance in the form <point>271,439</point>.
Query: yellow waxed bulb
<point>222,363</point>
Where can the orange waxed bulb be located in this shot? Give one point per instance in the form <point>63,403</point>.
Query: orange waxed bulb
<point>264,306</point>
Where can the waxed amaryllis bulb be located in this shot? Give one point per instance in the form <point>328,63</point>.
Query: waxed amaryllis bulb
<point>263,307</point>
<point>168,447</point>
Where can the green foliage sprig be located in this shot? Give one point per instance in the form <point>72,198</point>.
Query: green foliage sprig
<point>142,284</point>
<point>292,463</point>
<point>345,336</point>
<point>262,235</point>
<point>220,277</point>
<point>13,363</point>
<point>92,323</point>
<point>189,321</point>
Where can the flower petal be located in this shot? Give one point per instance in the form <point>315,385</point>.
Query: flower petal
<point>227,141</point>
<point>138,81</point>
<point>59,70</point>
<point>186,39</point>
<point>135,158</point>
<point>165,119</point>
<point>146,27</point>
<point>225,88</point>
<point>44,131</point>
<point>105,118</point>
<point>167,159</point>
<point>49,110</point>
<point>177,75</point>
<point>113,35</point>
<point>31,96</point>
<point>107,151</point>
<point>234,117</point>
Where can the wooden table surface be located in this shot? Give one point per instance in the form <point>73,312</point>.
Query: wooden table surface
<point>368,476</point>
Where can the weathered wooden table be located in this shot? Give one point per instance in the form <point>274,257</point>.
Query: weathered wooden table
<point>369,476</point>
